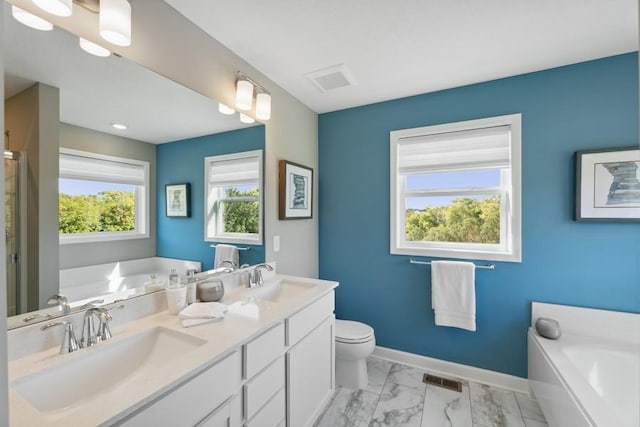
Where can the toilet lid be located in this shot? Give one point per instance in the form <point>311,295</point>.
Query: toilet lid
<point>350,331</point>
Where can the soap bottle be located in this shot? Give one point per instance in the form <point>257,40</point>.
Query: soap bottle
<point>191,286</point>
<point>174,280</point>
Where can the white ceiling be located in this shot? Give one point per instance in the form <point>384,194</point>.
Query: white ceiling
<point>94,92</point>
<point>407,47</point>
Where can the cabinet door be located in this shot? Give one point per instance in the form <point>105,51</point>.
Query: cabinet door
<point>310,375</point>
<point>221,417</point>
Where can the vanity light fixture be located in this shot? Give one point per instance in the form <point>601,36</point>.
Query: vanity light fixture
<point>94,49</point>
<point>244,97</point>
<point>246,119</point>
<point>30,20</point>
<point>225,109</point>
<point>119,126</point>
<point>56,7</point>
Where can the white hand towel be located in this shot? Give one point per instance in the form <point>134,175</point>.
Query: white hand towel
<point>226,253</point>
<point>453,294</point>
<point>202,312</point>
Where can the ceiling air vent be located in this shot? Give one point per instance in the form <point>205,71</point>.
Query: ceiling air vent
<point>331,78</point>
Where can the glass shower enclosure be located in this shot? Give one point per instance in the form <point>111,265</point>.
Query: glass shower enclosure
<point>15,185</point>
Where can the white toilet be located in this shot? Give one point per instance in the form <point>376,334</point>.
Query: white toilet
<point>355,341</point>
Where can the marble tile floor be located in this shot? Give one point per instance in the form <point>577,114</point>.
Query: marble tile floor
<point>396,396</point>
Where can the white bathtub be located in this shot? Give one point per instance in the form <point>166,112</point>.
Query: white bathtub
<point>582,380</point>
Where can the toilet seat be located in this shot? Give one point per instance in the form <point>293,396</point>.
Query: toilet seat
<point>350,332</point>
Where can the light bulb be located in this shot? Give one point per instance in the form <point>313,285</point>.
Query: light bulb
<point>246,119</point>
<point>263,106</point>
<point>94,49</point>
<point>30,20</point>
<point>56,7</point>
<point>115,21</point>
<point>244,95</point>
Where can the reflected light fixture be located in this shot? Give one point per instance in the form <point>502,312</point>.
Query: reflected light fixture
<point>225,109</point>
<point>244,94</point>
<point>30,20</point>
<point>94,49</point>
<point>263,106</point>
<point>246,119</point>
<point>244,97</point>
<point>119,126</point>
<point>115,21</point>
<point>56,7</point>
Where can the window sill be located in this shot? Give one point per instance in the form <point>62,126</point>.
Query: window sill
<point>459,254</point>
<point>70,239</point>
<point>237,240</point>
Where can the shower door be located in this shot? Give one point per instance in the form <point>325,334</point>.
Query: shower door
<point>16,296</point>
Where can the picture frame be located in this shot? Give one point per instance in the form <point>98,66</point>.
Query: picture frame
<point>295,191</point>
<point>608,185</point>
<point>177,200</point>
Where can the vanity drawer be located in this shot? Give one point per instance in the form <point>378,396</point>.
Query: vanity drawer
<point>272,414</point>
<point>304,321</point>
<point>263,350</point>
<point>192,401</point>
<point>261,388</point>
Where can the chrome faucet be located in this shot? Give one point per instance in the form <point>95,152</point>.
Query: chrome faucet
<point>69,342</point>
<point>62,301</point>
<point>255,278</point>
<point>92,335</point>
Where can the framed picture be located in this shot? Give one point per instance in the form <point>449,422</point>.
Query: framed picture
<point>177,200</point>
<point>608,185</point>
<point>295,191</point>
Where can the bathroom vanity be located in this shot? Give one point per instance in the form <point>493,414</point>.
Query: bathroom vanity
<point>269,362</point>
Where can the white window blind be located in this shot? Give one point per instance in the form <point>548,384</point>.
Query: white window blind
<point>455,151</point>
<point>73,166</point>
<point>242,171</point>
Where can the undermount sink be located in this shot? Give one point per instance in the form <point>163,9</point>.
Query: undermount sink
<point>103,368</point>
<point>279,291</point>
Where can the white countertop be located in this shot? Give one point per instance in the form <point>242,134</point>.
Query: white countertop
<point>114,404</point>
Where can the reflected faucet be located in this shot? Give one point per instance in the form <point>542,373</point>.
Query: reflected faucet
<point>229,264</point>
<point>255,278</point>
<point>60,300</point>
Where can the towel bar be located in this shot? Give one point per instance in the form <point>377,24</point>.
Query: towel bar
<point>481,267</point>
<point>239,248</point>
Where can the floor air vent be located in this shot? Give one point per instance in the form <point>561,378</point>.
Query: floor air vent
<point>447,383</point>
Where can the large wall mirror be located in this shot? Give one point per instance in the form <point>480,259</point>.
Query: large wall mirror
<point>57,96</point>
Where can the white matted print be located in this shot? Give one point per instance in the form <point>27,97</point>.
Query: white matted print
<point>608,185</point>
<point>296,191</point>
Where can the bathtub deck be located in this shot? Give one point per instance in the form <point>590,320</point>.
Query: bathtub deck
<point>396,396</point>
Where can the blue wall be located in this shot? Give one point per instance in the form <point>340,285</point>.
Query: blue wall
<point>585,106</point>
<point>183,161</point>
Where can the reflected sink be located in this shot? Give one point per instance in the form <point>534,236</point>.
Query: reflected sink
<point>279,291</point>
<point>103,368</point>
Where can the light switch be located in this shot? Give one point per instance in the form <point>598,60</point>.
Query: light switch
<point>276,243</point>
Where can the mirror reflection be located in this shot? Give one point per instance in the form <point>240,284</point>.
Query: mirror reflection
<point>108,136</point>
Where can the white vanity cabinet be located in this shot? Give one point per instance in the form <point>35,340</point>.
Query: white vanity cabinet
<point>205,400</point>
<point>310,361</point>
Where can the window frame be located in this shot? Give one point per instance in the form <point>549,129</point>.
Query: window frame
<point>142,204</point>
<point>510,247</point>
<point>237,238</point>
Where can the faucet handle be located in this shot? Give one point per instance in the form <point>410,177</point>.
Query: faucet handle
<point>60,300</point>
<point>104,333</point>
<point>69,342</point>
<point>91,304</point>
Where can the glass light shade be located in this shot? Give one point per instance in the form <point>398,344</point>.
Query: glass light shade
<point>56,7</point>
<point>244,95</point>
<point>93,48</point>
<point>30,20</point>
<point>225,109</point>
<point>115,21</point>
<point>263,106</point>
<point>246,119</point>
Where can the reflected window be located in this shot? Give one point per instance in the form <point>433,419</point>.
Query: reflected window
<point>234,198</point>
<point>101,197</point>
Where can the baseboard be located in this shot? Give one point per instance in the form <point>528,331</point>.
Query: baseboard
<point>451,369</point>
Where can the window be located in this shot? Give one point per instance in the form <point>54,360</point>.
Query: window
<point>455,190</point>
<point>102,197</point>
<point>234,198</point>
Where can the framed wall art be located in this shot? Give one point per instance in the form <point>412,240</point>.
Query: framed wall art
<point>295,191</point>
<point>177,198</point>
<point>608,185</point>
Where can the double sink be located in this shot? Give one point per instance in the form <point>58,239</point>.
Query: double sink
<point>114,367</point>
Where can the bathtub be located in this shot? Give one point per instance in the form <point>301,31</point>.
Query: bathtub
<point>582,380</point>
